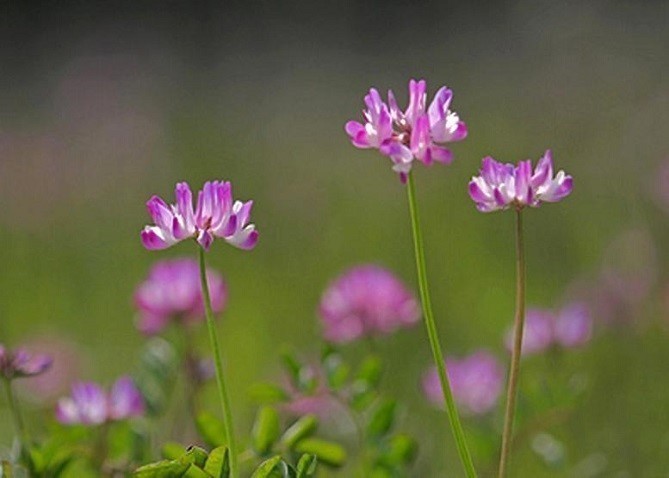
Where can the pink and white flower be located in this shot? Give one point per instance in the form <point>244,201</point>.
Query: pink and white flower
<point>21,363</point>
<point>215,215</point>
<point>415,133</point>
<point>501,186</point>
<point>90,405</point>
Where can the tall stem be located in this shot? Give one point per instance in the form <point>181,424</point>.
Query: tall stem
<point>16,414</point>
<point>519,321</point>
<point>437,354</point>
<point>222,391</point>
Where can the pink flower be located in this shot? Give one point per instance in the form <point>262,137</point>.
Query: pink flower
<point>21,363</point>
<point>216,215</point>
<point>476,381</point>
<point>501,186</point>
<point>90,405</point>
<point>172,292</point>
<point>569,327</point>
<point>537,333</point>
<point>364,301</point>
<point>411,134</point>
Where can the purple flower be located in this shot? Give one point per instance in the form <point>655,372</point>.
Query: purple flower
<point>172,291</point>
<point>537,333</point>
<point>90,405</point>
<point>216,215</point>
<point>21,363</point>
<point>501,186</point>
<point>476,380</point>
<point>569,327</point>
<point>573,325</point>
<point>364,301</point>
<point>411,134</point>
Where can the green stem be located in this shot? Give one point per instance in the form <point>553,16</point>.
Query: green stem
<point>453,417</point>
<point>519,321</point>
<point>222,391</point>
<point>16,414</point>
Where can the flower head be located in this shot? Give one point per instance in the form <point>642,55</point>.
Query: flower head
<point>415,133</point>
<point>90,405</point>
<point>476,381</point>
<point>216,215</point>
<point>501,186</point>
<point>569,327</point>
<point>172,291</point>
<point>21,363</point>
<point>366,300</point>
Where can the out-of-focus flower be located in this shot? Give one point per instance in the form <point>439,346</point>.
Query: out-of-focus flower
<point>476,380</point>
<point>365,301</point>
<point>501,186</point>
<point>573,325</point>
<point>411,134</point>
<point>172,291</point>
<point>90,405</point>
<point>216,215</point>
<point>569,327</point>
<point>58,378</point>
<point>21,363</point>
<point>537,333</point>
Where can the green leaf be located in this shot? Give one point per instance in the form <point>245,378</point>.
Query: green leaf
<point>336,371</point>
<point>199,456</point>
<point>172,450</point>
<point>302,428</point>
<point>370,370</point>
<point>268,393</point>
<point>291,364</point>
<point>195,472</point>
<point>266,430</point>
<point>382,419</point>
<point>272,468</point>
<point>402,450</point>
<point>306,467</point>
<point>163,469</point>
<point>218,463</point>
<point>211,429</point>
<point>330,453</point>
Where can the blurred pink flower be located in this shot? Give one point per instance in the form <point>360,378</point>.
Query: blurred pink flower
<point>366,300</point>
<point>569,327</point>
<point>476,380</point>
<point>172,292</point>
<point>411,134</point>
<point>501,186</point>
<point>216,215</point>
<point>90,405</point>
<point>20,363</point>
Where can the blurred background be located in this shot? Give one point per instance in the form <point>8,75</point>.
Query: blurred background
<point>104,105</point>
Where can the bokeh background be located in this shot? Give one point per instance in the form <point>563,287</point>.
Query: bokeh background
<point>105,104</point>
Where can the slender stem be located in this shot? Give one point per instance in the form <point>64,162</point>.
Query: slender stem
<point>16,414</point>
<point>453,417</point>
<point>519,321</point>
<point>222,391</point>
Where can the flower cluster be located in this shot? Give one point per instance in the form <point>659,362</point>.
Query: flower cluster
<point>569,327</point>
<point>216,215</point>
<point>21,363</point>
<point>90,405</point>
<point>501,186</point>
<point>415,133</point>
<point>365,301</point>
<point>172,292</point>
<point>476,381</point>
